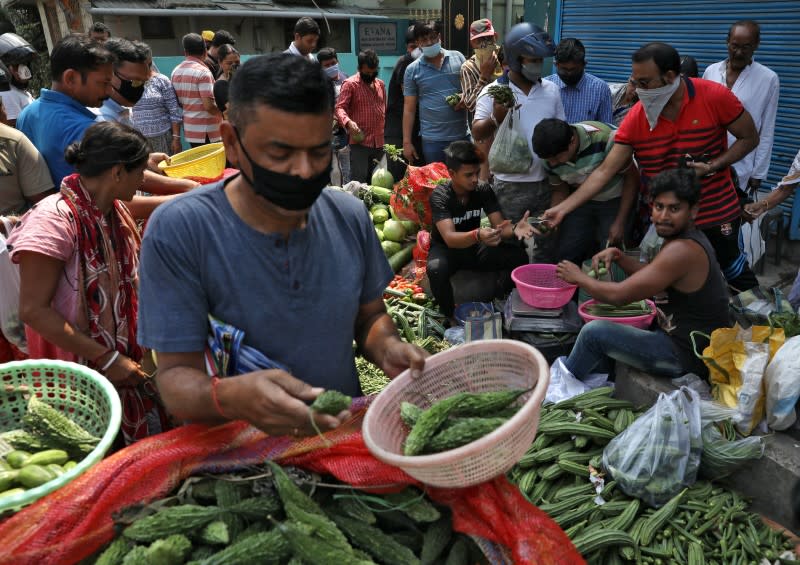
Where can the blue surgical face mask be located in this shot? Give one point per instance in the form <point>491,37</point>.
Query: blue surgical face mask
<point>431,51</point>
<point>332,71</point>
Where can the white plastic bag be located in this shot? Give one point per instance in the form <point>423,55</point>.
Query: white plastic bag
<point>782,379</point>
<point>564,385</point>
<point>510,152</point>
<point>10,326</point>
<point>659,454</point>
<point>749,406</point>
<point>751,242</point>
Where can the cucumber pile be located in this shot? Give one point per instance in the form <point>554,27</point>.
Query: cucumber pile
<point>270,518</point>
<point>562,475</point>
<point>48,445</point>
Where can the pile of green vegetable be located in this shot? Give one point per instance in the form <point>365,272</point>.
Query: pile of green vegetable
<point>373,380</point>
<point>48,445</point>
<point>415,321</point>
<point>456,420</point>
<point>453,99</point>
<point>268,518</point>
<point>789,321</point>
<point>561,473</point>
<point>502,95</point>
<point>601,310</point>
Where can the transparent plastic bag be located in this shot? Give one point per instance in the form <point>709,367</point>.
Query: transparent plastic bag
<point>659,454</point>
<point>510,152</point>
<point>650,245</point>
<point>722,457</point>
<point>564,385</point>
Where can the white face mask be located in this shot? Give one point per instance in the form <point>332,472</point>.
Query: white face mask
<point>654,100</point>
<point>416,53</point>
<point>24,72</point>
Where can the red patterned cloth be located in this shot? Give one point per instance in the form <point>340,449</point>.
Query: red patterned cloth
<point>108,248</point>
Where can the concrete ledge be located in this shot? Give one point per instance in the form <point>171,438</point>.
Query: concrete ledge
<point>767,482</point>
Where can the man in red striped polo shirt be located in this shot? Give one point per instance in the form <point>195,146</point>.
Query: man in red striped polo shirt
<point>194,85</point>
<point>682,121</point>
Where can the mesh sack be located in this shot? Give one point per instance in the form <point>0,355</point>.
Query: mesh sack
<point>411,196</point>
<point>74,522</point>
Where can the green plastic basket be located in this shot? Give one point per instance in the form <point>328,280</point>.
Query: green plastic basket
<point>84,395</point>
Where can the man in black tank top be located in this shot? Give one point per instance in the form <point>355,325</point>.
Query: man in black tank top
<point>685,268</point>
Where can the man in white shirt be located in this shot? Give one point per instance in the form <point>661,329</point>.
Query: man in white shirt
<point>757,88</point>
<point>17,55</point>
<point>525,47</point>
<point>306,36</point>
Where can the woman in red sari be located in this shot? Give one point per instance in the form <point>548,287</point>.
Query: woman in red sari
<point>78,253</point>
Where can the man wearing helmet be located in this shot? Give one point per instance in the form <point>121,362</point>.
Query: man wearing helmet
<point>17,54</point>
<point>525,47</point>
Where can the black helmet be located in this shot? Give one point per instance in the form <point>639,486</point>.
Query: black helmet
<point>14,50</point>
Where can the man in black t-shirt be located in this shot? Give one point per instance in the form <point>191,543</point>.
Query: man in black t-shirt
<point>457,240</point>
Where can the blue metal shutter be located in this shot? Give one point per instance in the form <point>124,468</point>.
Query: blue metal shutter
<point>613,29</point>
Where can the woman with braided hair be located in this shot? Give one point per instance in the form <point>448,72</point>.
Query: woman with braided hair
<point>78,253</point>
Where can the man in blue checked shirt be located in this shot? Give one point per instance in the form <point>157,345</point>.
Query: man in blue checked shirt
<point>585,97</point>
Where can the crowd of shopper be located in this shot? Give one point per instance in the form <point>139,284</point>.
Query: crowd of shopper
<point>601,166</point>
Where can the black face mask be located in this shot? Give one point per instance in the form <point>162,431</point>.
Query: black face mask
<point>129,92</point>
<point>570,79</point>
<point>367,78</point>
<point>289,192</point>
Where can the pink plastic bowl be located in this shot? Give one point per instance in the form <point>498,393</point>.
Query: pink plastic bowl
<point>478,366</point>
<point>642,322</point>
<point>539,286</point>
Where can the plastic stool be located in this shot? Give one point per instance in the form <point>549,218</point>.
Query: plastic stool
<point>774,216</point>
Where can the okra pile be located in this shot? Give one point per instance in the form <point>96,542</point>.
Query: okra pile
<point>561,473</point>
<point>271,518</point>
<point>457,420</point>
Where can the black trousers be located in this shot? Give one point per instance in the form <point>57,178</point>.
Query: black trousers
<point>733,262</point>
<point>363,161</point>
<point>444,262</point>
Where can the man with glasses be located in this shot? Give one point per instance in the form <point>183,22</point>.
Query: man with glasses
<point>194,85</point>
<point>757,87</point>
<point>681,122</point>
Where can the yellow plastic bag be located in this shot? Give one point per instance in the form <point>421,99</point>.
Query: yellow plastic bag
<point>736,359</point>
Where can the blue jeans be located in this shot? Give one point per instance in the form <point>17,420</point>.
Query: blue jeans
<point>649,351</point>
<point>433,151</point>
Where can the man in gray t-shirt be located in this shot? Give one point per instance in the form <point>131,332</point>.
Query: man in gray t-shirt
<point>297,267</point>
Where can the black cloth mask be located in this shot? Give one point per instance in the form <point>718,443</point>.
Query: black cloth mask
<point>129,92</point>
<point>289,192</point>
<point>367,78</point>
<point>570,79</point>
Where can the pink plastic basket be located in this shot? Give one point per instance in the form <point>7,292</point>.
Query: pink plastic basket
<point>642,322</point>
<point>479,366</point>
<point>539,286</point>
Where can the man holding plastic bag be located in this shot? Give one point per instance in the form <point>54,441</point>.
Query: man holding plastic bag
<point>520,181</point>
<point>686,268</point>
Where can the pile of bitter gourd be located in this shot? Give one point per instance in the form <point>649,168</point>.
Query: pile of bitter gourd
<point>562,475</point>
<point>269,518</point>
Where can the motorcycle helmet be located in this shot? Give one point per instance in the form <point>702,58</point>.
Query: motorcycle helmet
<point>14,50</point>
<point>526,40</point>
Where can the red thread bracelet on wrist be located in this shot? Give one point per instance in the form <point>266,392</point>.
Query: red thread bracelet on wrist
<point>214,399</point>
